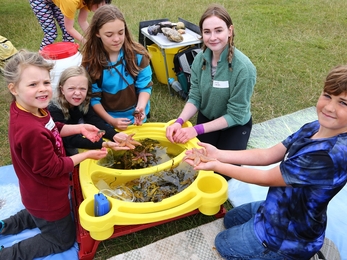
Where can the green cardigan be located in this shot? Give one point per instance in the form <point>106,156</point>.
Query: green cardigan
<point>232,98</point>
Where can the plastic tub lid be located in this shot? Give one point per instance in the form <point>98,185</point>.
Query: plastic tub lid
<point>59,50</point>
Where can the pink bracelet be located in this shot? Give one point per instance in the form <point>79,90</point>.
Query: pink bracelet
<point>199,129</point>
<point>180,121</point>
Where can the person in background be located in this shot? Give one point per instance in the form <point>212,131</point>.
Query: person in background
<point>39,160</point>
<point>71,105</point>
<point>222,84</point>
<point>69,8</point>
<point>291,222</point>
<point>47,13</point>
<point>119,68</point>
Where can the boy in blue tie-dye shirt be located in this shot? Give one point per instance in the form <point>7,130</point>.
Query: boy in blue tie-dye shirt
<point>290,223</point>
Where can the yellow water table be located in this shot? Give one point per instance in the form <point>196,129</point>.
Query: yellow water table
<point>206,193</point>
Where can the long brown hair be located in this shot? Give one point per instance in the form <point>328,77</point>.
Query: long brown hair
<point>95,57</point>
<point>220,12</point>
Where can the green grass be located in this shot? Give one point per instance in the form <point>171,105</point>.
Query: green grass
<point>292,43</point>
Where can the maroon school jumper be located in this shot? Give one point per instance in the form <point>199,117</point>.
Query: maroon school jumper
<point>39,160</point>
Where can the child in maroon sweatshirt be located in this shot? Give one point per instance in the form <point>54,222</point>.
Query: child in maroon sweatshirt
<point>39,160</point>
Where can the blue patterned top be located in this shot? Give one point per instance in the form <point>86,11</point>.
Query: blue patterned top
<point>120,89</point>
<point>292,220</point>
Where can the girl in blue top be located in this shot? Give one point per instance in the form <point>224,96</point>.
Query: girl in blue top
<point>120,69</point>
<point>291,222</point>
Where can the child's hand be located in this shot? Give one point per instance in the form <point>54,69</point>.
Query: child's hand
<point>184,134</point>
<point>210,150</point>
<point>206,166</point>
<point>196,156</point>
<point>96,154</point>
<point>116,138</point>
<point>119,136</point>
<point>121,123</point>
<point>90,154</point>
<point>171,131</point>
<point>114,146</point>
<point>207,161</point>
<point>91,132</point>
<point>139,116</point>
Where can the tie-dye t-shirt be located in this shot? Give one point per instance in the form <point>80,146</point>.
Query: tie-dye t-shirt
<point>292,219</point>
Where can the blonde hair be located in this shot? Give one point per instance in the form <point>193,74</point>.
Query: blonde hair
<point>59,99</point>
<point>16,64</point>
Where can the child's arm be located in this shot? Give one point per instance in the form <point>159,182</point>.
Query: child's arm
<point>119,123</point>
<point>89,131</point>
<point>82,19</point>
<point>69,25</point>
<point>143,99</point>
<point>258,157</point>
<point>226,159</point>
<point>90,154</point>
<point>187,113</point>
<point>270,177</point>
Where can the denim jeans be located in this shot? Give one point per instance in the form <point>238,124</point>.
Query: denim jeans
<point>239,240</point>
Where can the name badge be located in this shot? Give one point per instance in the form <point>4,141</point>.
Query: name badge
<point>220,84</point>
<point>50,125</point>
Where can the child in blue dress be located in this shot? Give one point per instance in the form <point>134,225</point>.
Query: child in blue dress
<point>290,223</point>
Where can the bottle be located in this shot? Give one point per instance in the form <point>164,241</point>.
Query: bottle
<point>175,84</point>
<point>182,79</point>
<point>178,88</point>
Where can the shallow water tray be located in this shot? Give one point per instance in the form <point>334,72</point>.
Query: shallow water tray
<point>206,193</point>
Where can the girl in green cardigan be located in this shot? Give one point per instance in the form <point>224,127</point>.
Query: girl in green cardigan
<point>222,84</point>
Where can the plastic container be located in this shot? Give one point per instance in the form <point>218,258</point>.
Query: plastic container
<point>158,63</point>
<point>206,193</point>
<point>63,55</point>
<point>101,205</point>
<point>175,84</point>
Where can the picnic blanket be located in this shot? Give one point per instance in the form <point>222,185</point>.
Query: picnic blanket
<point>193,244</point>
<point>10,204</point>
